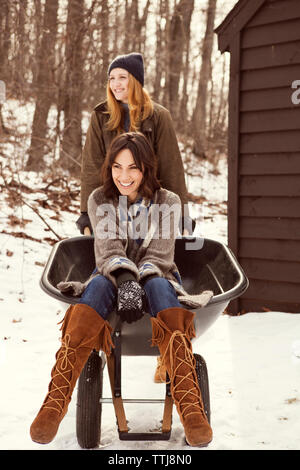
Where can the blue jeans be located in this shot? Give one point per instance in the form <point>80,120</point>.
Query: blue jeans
<point>101,295</point>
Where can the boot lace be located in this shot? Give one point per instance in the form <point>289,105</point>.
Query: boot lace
<point>185,387</point>
<point>59,385</point>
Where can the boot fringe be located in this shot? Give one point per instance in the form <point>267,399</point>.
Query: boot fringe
<point>191,333</point>
<point>160,375</point>
<point>158,331</point>
<point>159,327</point>
<point>106,339</point>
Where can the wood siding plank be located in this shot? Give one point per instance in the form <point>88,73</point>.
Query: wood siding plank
<point>279,228</point>
<point>285,250</point>
<point>271,270</point>
<point>270,207</point>
<point>274,55</point>
<point>267,99</point>
<point>275,120</point>
<point>273,291</point>
<point>270,185</point>
<point>272,33</point>
<point>268,142</point>
<point>273,77</point>
<point>270,164</point>
<point>275,12</point>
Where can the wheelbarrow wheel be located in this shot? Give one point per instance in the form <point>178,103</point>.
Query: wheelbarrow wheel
<point>89,408</point>
<point>202,376</point>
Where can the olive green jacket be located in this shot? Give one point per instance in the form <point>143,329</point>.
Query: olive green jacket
<point>158,128</point>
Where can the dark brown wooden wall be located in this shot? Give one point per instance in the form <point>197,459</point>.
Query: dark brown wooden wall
<point>268,226</point>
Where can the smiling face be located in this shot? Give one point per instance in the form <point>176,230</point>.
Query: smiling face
<point>119,84</point>
<point>126,175</point>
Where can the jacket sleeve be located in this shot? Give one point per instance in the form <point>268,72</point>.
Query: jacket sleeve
<point>160,246</point>
<point>110,241</point>
<point>170,165</point>
<point>93,155</point>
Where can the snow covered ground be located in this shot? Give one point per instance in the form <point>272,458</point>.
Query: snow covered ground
<point>253,363</point>
<point>253,360</point>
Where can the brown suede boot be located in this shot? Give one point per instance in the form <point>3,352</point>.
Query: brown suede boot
<point>160,372</point>
<point>83,330</point>
<point>172,331</point>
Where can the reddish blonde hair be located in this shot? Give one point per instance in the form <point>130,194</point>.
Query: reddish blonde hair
<point>139,102</point>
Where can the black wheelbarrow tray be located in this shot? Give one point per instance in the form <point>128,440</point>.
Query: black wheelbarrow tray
<point>204,264</point>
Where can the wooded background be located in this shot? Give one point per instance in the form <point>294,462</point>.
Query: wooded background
<point>55,54</point>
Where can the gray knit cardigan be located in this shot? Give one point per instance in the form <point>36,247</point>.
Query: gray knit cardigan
<point>139,238</point>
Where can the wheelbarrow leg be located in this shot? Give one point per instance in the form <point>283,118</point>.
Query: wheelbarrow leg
<point>168,409</point>
<point>114,370</point>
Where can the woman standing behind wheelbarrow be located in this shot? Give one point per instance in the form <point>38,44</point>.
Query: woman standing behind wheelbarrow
<point>128,107</point>
<point>135,224</point>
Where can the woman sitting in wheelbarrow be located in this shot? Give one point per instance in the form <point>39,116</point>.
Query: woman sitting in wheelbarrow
<point>135,224</point>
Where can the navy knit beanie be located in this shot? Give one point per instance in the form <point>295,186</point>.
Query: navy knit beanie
<point>133,63</point>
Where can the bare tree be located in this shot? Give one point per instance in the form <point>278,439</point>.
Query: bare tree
<point>116,28</point>
<point>72,135</point>
<point>179,37</point>
<point>134,25</point>
<point>218,116</point>
<point>104,37</point>
<point>138,26</point>
<point>22,50</point>
<point>37,27</point>
<point>200,110</point>
<point>165,54</point>
<point>186,69</point>
<point>4,51</point>
<point>127,26</point>
<point>46,89</point>
<point>158,51</point>
<point>5,40</point>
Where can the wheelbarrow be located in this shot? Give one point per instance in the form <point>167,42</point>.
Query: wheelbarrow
<point>212,266</point>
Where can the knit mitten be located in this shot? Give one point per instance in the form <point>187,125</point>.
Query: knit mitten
<point>130,301</point>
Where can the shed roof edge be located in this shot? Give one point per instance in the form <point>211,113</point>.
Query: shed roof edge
<point>235,20</point>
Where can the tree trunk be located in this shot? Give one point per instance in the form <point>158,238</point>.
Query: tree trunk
<point>46,90</point>
<point>19,77</point>
<point>5,41</point>
<point>127,27</point>
<point>133,26</point>
<point>138,25</point>
<point>72,135</point>
<point>179,33</point>
<point>165,55</point>
<point>38,27</point>
<point>186,71</point>
<point>158,52</point>
<point>200,111</point>
<point>104,45</point>
<point>116,27</point>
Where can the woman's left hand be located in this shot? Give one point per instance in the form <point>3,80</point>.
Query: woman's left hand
<point>130,301</point>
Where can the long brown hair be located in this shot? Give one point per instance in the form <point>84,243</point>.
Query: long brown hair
<point>139,102</point>
<point>144,159</point>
